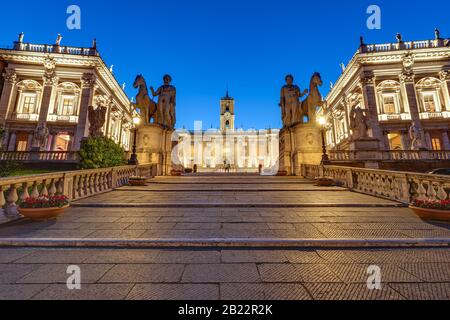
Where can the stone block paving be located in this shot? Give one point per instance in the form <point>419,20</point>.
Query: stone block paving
<point>265,274</point>
<point>227,212</point>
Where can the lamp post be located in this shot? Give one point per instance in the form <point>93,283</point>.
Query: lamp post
<point>134,159</point>
<point>325,159</point>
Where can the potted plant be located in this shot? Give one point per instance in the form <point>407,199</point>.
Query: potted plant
<point>137,181</point>
<point>43,207</point>
<point>432,209</point>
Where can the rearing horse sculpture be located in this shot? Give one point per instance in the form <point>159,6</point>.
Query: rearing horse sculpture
<point>314,99</point>
<point>146,105</point>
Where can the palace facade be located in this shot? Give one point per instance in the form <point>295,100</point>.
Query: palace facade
<point>403,89</point>
<point>52,86</point>
<point>227,148</point>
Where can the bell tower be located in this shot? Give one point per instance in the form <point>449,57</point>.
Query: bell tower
<point>227,116</point>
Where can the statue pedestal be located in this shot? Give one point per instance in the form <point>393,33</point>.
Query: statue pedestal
<point>154,146</point>
<point>300,144</point>
<point>367,150</point>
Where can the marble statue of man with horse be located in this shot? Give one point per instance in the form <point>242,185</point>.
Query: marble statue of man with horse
<point>292,108</point>
<point>162,112</point>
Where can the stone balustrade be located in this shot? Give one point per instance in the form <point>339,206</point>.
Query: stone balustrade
<point>391,155</point>
<point>398,186</point>
<point>74,184</point>
<point>45,48</point>
<point>46,156</point>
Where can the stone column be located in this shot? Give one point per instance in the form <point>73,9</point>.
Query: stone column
<point>445,78</point>
<point>407,81</point>
<point>50,82</point>
<point>406,142</point>
<point>10,77</point>
<point>445,140</point>
<point>12,141</point>
<point>87,98</point>
<point>370,102</point>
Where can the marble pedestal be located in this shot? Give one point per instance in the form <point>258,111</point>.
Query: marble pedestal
<point>154,146</point>
<point>301,144</point>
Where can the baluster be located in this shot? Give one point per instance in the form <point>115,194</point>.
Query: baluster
<point>431,191</point>
<point>421,191</point>
<point>90,182</point>
<point>44,191</point>
<point>83,190</point>
<point>52,191</point>
<point>2,201</point>
<point>60,187</point>
<point>25,195</point>
<point>75,187</point>
<point>35,190</point>
<point>11,199</point>
<point>442,194</point>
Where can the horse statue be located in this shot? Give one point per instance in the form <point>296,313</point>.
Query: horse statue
<point>314,99</point>
<point>148,108</point>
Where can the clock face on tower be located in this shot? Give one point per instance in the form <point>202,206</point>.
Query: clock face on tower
<point>227,115</point>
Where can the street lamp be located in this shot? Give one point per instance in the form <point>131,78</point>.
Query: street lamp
<point>325,159</point>
<point>134,159</point>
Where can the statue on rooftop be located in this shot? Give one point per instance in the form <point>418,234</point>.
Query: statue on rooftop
<point>58,39</point>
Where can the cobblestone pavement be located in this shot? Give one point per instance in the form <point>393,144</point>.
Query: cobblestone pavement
<point>287,208</point>
<point>225,274</point>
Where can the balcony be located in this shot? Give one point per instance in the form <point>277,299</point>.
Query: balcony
<point>435,115</point>
<point>394,117</point>
<point>59,118</point>
<point>25,117</point>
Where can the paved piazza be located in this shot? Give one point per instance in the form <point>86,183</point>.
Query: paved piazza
<point>205,208</point>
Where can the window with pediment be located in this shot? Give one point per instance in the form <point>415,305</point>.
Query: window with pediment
<point>389,98</point>
<point>29,98</point>
<point>68,98</point>
<point>430,94</point>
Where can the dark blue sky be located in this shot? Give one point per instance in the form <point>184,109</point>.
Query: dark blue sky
<point>206,44</point>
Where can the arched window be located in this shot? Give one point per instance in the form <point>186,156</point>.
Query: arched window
<point>29,100</point>
<point>227,124</point>
<point>389,98</point>
<point>430,94</point>
<point>68,99</point>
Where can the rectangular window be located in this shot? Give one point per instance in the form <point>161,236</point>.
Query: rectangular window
<point>389,105</point>
<point>429,103</point>
<point>29,104</point>
<point>395,141</point>
<point>67,106</point>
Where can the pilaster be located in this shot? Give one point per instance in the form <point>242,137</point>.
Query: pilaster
<point>10,77</point>
<point>87,97</point>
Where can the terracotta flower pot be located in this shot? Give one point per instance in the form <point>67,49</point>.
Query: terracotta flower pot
<point>282,173</point>
<point>42,213</point>
<point>137,183</point>
<point>325,182</point>
<point>431,214</point>
<point>176,173</point>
